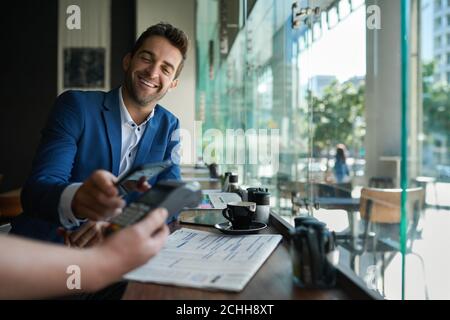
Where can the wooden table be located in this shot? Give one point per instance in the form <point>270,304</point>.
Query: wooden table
<point>10,205</point>
<point>273,281</point>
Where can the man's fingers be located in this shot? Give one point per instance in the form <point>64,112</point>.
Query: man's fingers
<point>97,211</point>
<point>140,185</point>
<point>86,212</point>
<point>89,234</point>
<point>102,201</point>
<point>154,220</point>
<point>97,198</point>
<point>67,238</point>
<point>67,241</point>
<point>103,225</point>
<point>96,239</point>
<point>145,186</point>
<point>142,180</point>
<point>104,181</point>
<point>86,237</point>
<point>65,234</point>
<point>75,235</point>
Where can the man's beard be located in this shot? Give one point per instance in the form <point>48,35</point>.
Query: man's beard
<point>133,92</point>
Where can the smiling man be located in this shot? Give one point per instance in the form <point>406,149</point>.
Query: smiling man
<point>91,138</point>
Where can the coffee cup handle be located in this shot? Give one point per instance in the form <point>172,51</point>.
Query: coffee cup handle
<point>225,214</point>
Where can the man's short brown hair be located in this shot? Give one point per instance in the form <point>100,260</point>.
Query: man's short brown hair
<point>174,35</point>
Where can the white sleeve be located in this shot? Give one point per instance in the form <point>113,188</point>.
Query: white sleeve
<point>66,216</point>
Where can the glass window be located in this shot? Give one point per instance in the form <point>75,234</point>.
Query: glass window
<point>333,17</point>
<point>344,8</point>
<point>304,86</point>
<point>357,3</point>
<point>437,22</point>
<point>317,31</point>
<point>428,167</point>
<point>437,42</point>
<point>325,114</point>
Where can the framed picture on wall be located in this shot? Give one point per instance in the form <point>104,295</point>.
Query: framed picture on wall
<point>84,68</point>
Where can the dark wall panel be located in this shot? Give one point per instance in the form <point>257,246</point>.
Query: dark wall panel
<point>123,31</point>
<point>28,79</point>
<point>28,35</point>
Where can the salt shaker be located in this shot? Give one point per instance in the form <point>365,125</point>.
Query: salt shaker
<point>262,200</point>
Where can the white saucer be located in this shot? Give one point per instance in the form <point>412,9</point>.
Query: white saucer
<point>226,228</point>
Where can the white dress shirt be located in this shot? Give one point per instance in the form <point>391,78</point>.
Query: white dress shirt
<point>131,135</point>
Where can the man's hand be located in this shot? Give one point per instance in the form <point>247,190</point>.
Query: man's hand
<point>98,197</point>
<point>140,185</point>
<point>89,234</point>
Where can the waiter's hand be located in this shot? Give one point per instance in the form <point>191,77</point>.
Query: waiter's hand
<point>98,198</point>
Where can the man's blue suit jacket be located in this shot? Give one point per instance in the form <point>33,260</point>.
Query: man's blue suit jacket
<point>83,134</point>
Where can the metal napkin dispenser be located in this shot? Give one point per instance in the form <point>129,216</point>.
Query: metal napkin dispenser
<point>314,255</point>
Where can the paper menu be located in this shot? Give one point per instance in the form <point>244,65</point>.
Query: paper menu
<point>201,259</point>
<point>218,200</point>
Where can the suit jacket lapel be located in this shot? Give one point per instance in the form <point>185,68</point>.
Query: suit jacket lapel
<point>111,116</point>
<point>147,139</point>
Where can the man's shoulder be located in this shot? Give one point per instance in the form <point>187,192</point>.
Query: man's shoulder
<point>79,97</point>
<point>164,113</point>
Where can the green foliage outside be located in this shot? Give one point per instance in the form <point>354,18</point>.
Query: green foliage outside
<point>338,114</point>
<point>436,103</point>
<point>338,117</point>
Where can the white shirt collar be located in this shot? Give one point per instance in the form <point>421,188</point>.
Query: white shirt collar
<point>125,115</point>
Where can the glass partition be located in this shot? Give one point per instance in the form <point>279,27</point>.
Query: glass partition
<point>427,260</point>
<point>339,107</point>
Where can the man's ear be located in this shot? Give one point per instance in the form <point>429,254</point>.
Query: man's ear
<point>174,84</point>
<point>126,62</point>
